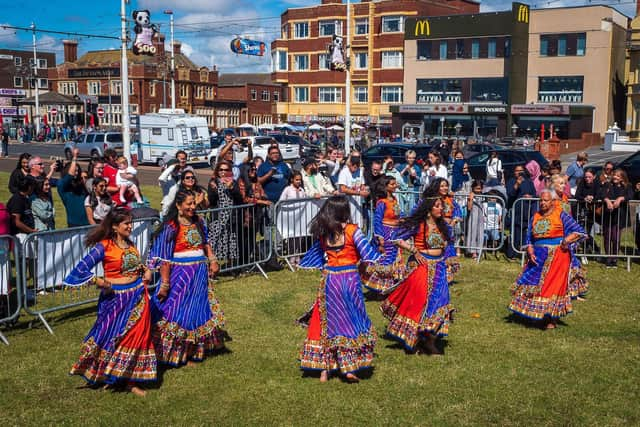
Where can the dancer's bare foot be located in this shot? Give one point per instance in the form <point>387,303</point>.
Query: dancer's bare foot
<point>579,298</point>
<point>191,364</point>
<point>137,391</point>
<point>324,376</point>
<point>551,325</point>
<point>352,378</point>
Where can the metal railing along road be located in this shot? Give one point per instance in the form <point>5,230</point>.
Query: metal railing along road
<point>49,256</point>
<point>10,280</point>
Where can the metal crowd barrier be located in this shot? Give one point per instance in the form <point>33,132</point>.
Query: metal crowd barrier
<point>49,256</point>
<point>483,223</point>
<point>10,274</point>
<point>611,234</point>
<point>241,236</point>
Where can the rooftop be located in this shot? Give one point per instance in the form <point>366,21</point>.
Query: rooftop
<point>240,79</point>
<point>112,56</point>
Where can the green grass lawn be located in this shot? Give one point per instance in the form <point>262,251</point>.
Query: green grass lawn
<point>494,372</point>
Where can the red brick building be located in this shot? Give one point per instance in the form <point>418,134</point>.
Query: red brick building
<point>256,90</point>
<point>300,59</point>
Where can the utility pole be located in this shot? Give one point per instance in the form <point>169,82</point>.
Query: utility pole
<point>124,72</point>
<point>347,115</point>
<point>173,62</point>
<point>36,117</point>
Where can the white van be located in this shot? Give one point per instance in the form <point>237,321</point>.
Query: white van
<point>260,147</point>
<point>163,134</point>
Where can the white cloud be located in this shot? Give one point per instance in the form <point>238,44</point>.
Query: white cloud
<point>8,37</point>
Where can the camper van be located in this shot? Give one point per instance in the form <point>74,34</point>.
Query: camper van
<point>161,135</point>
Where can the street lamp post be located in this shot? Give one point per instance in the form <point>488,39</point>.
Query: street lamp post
<point>347,118</point>
<point>173,62</point>
<point>124,73</point>
<point>35,80</point>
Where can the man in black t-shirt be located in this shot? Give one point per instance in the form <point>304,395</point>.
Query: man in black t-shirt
<point>19,207</point>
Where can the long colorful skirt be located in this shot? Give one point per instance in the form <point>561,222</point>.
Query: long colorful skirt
<point>188,323</point>
<point>384,275</point>
<point>340,336</point>
<point>420,305</point>
<point>578,285</point>
<point>542,290</point>
<point>452,262</point>
<point>118,346</point>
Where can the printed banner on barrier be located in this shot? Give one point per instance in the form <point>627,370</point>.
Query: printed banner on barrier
<point>5,265</point>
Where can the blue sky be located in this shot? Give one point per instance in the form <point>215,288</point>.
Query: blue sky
<point>205,27</point>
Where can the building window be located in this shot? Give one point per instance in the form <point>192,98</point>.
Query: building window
<point>116,87</point>
<point>131,87</point>
<point>392,59</point>
<point>561,89</point>
<point>93,88</point>
<point>581,44</point>
<point>424,50</point>
<point>276,96</point>
<point>438,90</point>
<point>391,94</point>
<point>17,81</point>
<point>17,60</point>
<point>360,94</point>
<point>301,94</point>
<point>362,26</point>
<point>265,95</point>
<point>285,31</point>
<point>562,45</point>
<point>199,92</point>
<point>329,95</point>
<point>360,60</point>
<point>329,28</point>
<point>323,61</point>
<point>392,24</point>
<point>184,91</point>
<point>491,48</point>
<point>279,60</point>
<point>42,63</point>
<point>544,46</point>
<point>43,83</point>
<point>152,89</point>
<point>460,49</point>
<point>489,90</point>
<point>507,47</point>
<point>301,30</point>
<point>254,95</point>
<point>68,88</point>
<point>475,49</point>
<point>300,62</point>
<point>443,49</point>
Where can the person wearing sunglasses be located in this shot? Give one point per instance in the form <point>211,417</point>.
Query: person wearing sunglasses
<point>189,182</point>
<point>98,203</point>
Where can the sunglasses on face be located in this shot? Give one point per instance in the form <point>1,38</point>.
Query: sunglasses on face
<point>189,177</point>
<point>223,170</point>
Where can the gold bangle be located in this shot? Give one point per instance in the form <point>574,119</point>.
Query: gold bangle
<point>165,285</point>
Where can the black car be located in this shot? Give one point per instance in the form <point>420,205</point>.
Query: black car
<point>631,165</point>
<point>395,150</point>
<point>470,150</point>
<point>509,158</point>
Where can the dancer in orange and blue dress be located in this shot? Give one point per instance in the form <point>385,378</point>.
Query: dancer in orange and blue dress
<point>188,320</point>
<point>118,349</point>
<point>543,289</point>
<point>340,337</point>
<point>452,215</point>
<point>382,276</point>
<point>419,309</point>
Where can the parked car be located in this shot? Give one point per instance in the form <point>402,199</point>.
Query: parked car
<point>290,152</point>
<point>470,150</point>
<point>509,158</point>
<point>93,144</point>
<point>631,165</point>
<point>395,150</point>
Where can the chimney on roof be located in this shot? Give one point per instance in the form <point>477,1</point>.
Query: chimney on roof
<point>70,50</point>
<point>158,42</point>
<point>176,47</point>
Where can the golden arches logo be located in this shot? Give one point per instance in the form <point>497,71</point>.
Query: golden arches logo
<point>523,13</point>
<point>423,28</point>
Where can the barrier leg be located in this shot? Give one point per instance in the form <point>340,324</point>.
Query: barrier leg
<point>261,271</point>
<point>288,264</point>
<point>3,339</point>
<point>629,264</point>
<point>44,322</point>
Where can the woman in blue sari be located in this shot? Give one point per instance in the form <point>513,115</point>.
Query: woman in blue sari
<point>188,320</point>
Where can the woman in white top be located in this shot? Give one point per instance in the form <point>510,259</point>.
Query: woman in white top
<point>294,190</point>
<point>494,170</point>
<point>98,203</point>
<point>435,170</point>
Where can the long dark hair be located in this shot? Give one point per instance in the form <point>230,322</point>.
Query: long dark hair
<point>171,219</point>
<point>94,199</point>
<point>328,221</point>
<point>104,230</point>
<point>433,190</point>
<point>39,190</point>
<point>23,156</point>
<point>422,213</point>
<point>380,187</point>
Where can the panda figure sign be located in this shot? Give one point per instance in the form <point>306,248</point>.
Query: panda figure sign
<point>144,30</point>
<point>337,54</point>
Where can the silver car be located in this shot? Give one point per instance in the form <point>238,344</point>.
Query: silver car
<point>94,144</point>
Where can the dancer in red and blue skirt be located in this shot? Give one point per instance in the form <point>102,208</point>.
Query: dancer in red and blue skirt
<point>340,337</point>
<point>382,276</point>
<point>188,320</point>
<point>118,348</point>
<point>550,278</point>
<point>418,309</point>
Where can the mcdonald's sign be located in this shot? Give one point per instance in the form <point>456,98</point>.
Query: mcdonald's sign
<point>423,28</point>
<point>523,14</point>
